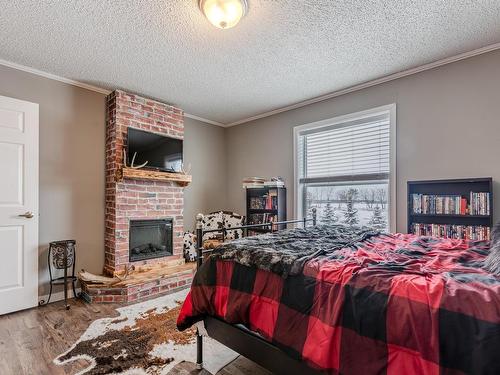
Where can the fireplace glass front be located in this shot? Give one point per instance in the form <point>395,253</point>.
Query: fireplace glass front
<point>150,239</point>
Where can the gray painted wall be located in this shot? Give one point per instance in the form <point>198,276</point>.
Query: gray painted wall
<point>448,126</point>
<point>72,124</point>
<point>205,149</point>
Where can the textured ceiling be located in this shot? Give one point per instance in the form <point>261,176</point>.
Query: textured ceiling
<point>281,53</point>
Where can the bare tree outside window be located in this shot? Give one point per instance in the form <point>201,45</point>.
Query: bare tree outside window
<point>353,205</point>
<point>344,167</point>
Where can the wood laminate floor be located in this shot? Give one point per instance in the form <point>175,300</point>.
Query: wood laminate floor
<point>31,339</point>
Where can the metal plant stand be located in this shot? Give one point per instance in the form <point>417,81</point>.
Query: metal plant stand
<point>62,255</point>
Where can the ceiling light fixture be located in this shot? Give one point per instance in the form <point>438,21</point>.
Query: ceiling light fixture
<point>223,14</point>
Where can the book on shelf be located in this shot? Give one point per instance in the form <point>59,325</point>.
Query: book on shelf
<point>274,184</point>
<point>272,200</point>
<point>464,232</point>
<point>479,203</point>
<point>268,201</point>
<point>253,182</point>
<point>257,203</point>
<point>428,204</point>
<point>262,218</point>
<point>253,185</point>
<point>261,182</point>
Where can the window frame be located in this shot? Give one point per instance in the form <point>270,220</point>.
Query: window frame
<point>389,109</point>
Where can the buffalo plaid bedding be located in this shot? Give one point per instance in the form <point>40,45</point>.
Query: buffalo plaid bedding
<point>392,304</point>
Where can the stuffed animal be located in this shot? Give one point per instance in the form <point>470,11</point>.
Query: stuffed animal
<point>214,220</point>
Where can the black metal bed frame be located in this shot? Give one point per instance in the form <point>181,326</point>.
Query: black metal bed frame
<point>237,337</point>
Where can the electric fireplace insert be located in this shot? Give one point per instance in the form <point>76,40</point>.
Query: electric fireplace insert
<point>149,239</point>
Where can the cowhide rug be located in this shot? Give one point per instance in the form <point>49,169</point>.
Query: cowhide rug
<point>143,340</point>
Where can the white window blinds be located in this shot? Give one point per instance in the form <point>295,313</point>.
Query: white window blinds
<point>349,151</point>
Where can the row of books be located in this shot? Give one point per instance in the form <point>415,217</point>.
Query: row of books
<point>439,204</point>
<point>464,232</point>
<point>262,218</point>
<point>261,182</point>
<point>479,203</point>
<point>265,202</point>
<point>451,204</point>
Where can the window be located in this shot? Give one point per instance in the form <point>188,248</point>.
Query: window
<point>345,168</point>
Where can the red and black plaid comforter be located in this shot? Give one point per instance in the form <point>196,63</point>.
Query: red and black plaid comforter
<point>394,304</point>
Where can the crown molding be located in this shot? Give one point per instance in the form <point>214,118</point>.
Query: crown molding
<point>86,86</point>
<point>378,81</point>
<point>53,77</point>
<point>211,122</point>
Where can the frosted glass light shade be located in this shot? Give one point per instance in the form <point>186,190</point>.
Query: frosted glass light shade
<point>223,14</point>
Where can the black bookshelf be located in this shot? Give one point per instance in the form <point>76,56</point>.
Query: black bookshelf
<point>257,212</point>
<point>461,187</point>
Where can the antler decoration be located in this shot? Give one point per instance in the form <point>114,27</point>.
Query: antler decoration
<point>186,170</point>
<point>132,162</point>
<point>137,166</point>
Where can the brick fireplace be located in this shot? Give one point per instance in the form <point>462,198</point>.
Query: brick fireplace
<point>144,222</point>
<point>134,199</point>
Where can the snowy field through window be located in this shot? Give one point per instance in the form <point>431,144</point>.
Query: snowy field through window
<point>352,205</point>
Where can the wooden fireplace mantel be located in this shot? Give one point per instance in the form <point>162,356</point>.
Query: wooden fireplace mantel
<point>144,174</point>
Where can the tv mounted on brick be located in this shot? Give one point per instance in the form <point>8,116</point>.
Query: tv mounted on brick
<point>150,124</point>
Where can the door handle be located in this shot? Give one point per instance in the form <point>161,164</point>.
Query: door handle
<point>27,215</point>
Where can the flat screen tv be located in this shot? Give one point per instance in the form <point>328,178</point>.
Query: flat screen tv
<point>160,152</point>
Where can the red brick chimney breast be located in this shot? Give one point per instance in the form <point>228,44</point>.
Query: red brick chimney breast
<point>134,199</point>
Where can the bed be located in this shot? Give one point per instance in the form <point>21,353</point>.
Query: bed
<point>325,300</point>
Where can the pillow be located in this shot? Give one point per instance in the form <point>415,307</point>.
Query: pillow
<point>189,247</point>
<point>232,220</point>
<point>213,220</point>
<point>492,261</point>
<point>218,219</point>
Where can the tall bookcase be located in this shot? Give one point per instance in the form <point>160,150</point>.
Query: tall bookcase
<point>451,188</point>
<point>266,204</point>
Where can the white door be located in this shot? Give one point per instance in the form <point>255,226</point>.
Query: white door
<point>18,204</point>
